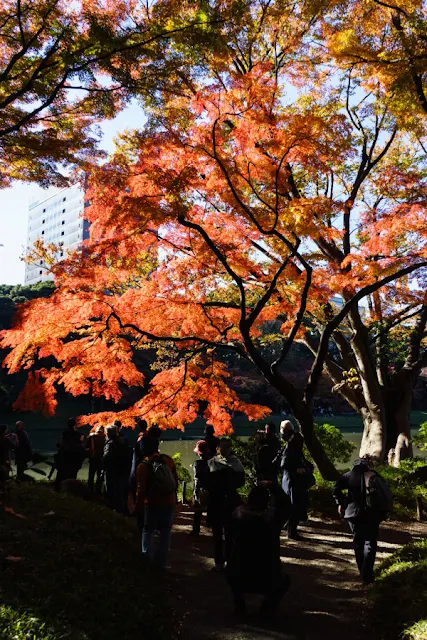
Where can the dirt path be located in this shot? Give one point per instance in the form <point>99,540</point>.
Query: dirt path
<point>325,600</point>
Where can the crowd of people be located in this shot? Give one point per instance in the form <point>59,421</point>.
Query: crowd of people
<point>142,481</point>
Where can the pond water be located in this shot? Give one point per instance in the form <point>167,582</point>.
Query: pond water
<point>186,447</point>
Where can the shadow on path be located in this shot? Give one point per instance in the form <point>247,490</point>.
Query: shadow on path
<point>325,599</point>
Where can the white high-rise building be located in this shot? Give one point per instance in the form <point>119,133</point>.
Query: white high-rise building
<point>57,219</point>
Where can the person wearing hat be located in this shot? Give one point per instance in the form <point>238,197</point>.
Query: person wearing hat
<point>295,480</point>
<point>201,484</point>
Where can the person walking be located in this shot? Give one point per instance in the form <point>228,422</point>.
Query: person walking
<point>226,475</point>
<point>95,446</point>
<point>366,504</point>
<point>115,464</point>
<point>201,484</point>
<point>23,453</point>
<point>297,477</point>
<point>156,487</point>
<point>254,564</point>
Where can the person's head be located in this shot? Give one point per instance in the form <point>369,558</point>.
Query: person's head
<point>111,431</point>
<point>71,423</point>
<point>209,431</point>
<point>270,428</point>
<point>19,425</point>
<point>141,425</point>
<point>287,429</point>
<point>258,499</point>
<point>100,430</point>
<point>150,446</point>
<point>201,448</point>
<point>364,463</point>
<point>225,447</point>
<point>118,424</point>
<point>155,432</point>
<point>3,430</point>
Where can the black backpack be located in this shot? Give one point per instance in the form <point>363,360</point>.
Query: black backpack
<point>378,497</point>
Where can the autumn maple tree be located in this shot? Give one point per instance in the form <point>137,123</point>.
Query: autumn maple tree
<point>238,209</point>
<point>386,41</point>
<point>64,66</point>
<point>268,182</point>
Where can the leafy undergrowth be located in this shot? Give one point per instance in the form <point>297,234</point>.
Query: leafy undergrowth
<point>72,570</point>
<point>399,596</point>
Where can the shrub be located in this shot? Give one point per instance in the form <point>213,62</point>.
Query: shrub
<point>399,595</point>
<point>420,440</point>
<point>335,445</point>
<point>16,625</point>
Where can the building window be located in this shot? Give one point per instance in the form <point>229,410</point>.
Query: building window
<point>63,210</point>
<point>44,210</point>
<point>64,199</point>
<point>62,233</point>
<point>43,221</point>
<point>43,232</point>
<point>63,222</point>
<point>62,253</point>
<point>41,272</point>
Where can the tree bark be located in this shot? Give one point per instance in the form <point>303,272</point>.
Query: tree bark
<point>373,411</point>
<point>398,402</point>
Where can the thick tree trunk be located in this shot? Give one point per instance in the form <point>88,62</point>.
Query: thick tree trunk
<point>373,412</point>
<point>398,402</point>
<point>373,438</point>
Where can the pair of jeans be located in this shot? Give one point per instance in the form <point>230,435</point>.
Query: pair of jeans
<point>365,538</point>
<point>157,518</point>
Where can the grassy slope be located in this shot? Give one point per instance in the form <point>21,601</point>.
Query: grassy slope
<point>400,595</point>
<point>81,573</point>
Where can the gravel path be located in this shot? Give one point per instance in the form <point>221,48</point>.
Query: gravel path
<point>325,599</point>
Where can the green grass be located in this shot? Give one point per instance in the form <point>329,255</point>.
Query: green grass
<point>81,575</point>
<point>399,596</point>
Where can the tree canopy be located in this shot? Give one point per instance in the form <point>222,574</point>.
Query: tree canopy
<point>268,182</point>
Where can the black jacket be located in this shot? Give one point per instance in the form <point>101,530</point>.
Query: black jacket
<point>254,563</point>
<point>354,483</point>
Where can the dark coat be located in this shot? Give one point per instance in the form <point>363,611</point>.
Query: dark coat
<point>266,464</point>
<point>23,453</point>
<point>352,482</point>
<point>116,457</point>
<point>254,563</point>
<point>201,476</point>
<point>294,484</point>
<point>224,480</point>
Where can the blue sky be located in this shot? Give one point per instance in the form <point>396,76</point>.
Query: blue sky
<point>14,203</point>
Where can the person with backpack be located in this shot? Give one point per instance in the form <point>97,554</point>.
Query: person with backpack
<point>366,504</point>
<point>201,484</point>
<point>115,464</point>
<point>156,487</point>
<point>297,477</point>
<point>226,475</point>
